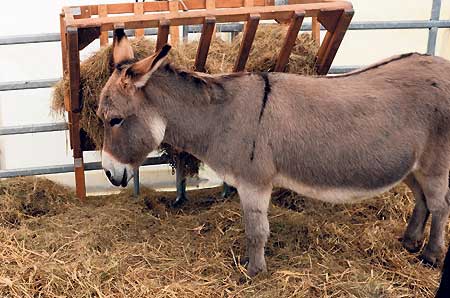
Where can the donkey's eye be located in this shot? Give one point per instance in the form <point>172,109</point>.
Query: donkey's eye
<point>115,121</point>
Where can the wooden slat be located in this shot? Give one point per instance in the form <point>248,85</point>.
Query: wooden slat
<point>73,63</point>
<point>323,48</point>
<point>139,10</point>
<point>197,17</point>
<point>204,43</point>
<point>247,41</point>
<point>315,30</point>
<point>174,30</point>
<point>163,34</point>
<point>289,41</point>
<point>335,42</point>
<point>103,12</point>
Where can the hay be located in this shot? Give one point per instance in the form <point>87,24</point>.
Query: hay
<point>95,71</point>
<point>117,246</point>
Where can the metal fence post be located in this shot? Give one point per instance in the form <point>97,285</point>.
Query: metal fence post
<point>432,34</point>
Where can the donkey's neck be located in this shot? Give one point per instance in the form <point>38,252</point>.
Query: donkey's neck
<point>190,103</point>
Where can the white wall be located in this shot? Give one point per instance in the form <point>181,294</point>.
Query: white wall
<point>39,61</point>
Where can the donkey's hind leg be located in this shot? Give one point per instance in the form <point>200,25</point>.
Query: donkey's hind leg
<point>414,234</point>
<point>255,203</point>
<point>435,188</point>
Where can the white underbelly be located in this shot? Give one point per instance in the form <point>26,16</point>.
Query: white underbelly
<point>329,194</point>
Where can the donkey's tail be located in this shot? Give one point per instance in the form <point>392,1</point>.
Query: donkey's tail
<point>444,287</point>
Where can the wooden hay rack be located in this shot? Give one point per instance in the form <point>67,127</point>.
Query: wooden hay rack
<point>81,25</point>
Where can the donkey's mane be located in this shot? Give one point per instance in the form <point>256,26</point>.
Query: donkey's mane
<point>376,65</point>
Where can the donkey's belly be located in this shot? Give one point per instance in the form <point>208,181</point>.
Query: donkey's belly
<point>330,194</point>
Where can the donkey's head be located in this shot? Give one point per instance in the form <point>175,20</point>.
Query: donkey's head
<point>132,125</point>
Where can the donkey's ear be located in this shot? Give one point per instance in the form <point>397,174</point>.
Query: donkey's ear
<point>122,50</point>
<point>141,71</point>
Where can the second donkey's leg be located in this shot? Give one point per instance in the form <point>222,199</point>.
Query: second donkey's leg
<point>435,188</point>
<point>414,234</point>
<point>255,203</point>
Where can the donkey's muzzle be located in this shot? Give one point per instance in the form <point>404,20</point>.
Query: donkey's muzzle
<point>117,173</point>
<point>123,182</point>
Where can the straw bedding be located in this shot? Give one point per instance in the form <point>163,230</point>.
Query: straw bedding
<point>51,245</point>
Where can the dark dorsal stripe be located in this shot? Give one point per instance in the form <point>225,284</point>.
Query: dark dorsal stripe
<point>375,66</point>
<point>267,88</point>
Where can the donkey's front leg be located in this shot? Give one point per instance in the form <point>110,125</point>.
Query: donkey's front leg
<point>255,202</point>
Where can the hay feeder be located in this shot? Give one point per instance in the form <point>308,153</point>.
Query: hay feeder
<point>81,25</point>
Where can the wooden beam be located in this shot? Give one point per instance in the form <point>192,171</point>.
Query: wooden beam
<point>163,34</point>
<point>289,41</point>
<point>103,12</point>
<point>204,43</point>
<point>335,42</point>
<point>78,157</point>
<point>247,40</point>
<point>73,62</point>
<point>139,10</point>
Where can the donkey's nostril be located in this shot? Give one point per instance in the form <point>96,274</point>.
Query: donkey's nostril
<point>108,174</point>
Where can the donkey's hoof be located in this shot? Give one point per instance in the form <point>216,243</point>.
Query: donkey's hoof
<point>254,269</point>
<point>432,257</point>
<point>412,245</point>
<point>179,202</point>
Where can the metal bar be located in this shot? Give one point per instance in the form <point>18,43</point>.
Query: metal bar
<point>33,128</point>
<point>432,34</point>
<point>31,84</point>
<point>236,27</point>
<point>136,182</point>
<point>68,168</point>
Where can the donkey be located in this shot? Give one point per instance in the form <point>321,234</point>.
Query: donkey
<point>336,139</point>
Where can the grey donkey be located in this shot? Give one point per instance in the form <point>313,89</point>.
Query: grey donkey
<point>337,139</point>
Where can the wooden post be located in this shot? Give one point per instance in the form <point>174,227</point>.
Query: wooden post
<point>289,41</point>
<point>73,62</point>
<point>139,10</point>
